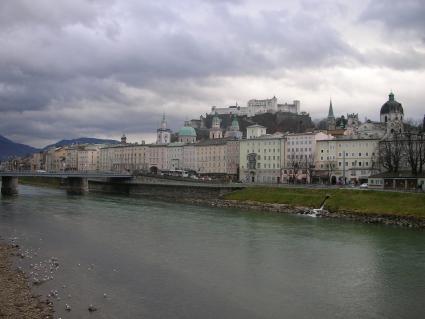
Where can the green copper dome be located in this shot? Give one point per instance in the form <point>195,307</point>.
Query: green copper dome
<point>187,131</point>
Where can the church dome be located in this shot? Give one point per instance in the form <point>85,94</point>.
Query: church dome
<point>187,131</point>
<point>391,106</point>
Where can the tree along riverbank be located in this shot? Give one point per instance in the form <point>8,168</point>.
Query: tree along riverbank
<point>16,298</point>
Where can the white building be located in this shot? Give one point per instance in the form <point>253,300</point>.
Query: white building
<point>157,157</point>
<point>233,109</point>
<point>300,156</point>
<point>261,158</point>
<point>255,131</point>
<point>346,160</point>
<point>175,158</point>
<point>190,162</point>
<point>255,107</point>
<point>391,121</point>
<point>88,158</point>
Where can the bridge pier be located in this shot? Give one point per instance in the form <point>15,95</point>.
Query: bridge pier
<point>77,185</point>
<point>9,185</point>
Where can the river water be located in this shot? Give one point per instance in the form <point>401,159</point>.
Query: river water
<point>157,259</point>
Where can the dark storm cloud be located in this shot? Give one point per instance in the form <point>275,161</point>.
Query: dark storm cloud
<point>53,56</point>
<point>105,65</point>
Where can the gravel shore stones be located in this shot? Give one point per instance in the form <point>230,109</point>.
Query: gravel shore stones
<point>16,298</point>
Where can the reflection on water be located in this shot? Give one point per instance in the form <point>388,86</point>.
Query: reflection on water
<point>135,258</point>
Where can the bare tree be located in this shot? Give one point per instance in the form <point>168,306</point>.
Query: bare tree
<point>307,165</point>
<point>293,165</point>
<point>413,146</point>
<point>390,152</point>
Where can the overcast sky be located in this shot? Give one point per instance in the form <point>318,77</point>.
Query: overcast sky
<point>99,68</point>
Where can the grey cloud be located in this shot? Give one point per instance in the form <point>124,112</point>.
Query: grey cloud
<point>397,14</point>
<point>72,59</point>
<point>43,13</point>
<point>142,57</point>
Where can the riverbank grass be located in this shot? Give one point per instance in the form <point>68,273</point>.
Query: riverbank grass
<point>356,201</point>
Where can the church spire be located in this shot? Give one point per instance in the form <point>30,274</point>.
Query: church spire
<point>331,111</point>
<point>163,122</point>
<point>331,118</point>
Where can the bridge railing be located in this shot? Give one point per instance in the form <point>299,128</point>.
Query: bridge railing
<point>64,173</point>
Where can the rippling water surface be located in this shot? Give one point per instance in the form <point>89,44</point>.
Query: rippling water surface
<point>165,260</point>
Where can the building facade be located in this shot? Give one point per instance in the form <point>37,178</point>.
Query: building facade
<point>261,159</point>
<point>255,106</point>
<point>346,160</point>
<point>123,157</point>
<point>300,156</point>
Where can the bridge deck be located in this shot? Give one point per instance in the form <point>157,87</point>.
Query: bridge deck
<point>67,174</point>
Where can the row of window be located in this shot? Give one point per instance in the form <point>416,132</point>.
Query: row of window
<point>298,143</point>
<point>300,149</point>
<point>354,164</point>
<point>292,156</point>
<point>349,154</point>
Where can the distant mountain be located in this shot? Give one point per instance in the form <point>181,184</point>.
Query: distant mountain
<point>82,140</point>
<point>9,148</point>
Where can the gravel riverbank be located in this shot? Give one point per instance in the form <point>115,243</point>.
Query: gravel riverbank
<point>16,298</point>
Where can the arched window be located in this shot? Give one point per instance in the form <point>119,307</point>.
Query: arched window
<point>386,119</point>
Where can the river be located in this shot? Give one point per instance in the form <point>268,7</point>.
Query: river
<point>157,259</point>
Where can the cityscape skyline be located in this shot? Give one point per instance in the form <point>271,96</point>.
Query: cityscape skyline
<point>102,68</point>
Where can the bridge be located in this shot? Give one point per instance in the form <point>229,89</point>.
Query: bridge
<point>77,182</point>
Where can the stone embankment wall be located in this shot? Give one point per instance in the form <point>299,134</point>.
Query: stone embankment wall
<point>161,190</point>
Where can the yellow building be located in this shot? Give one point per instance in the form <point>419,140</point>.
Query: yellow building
<point>123,157</point>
